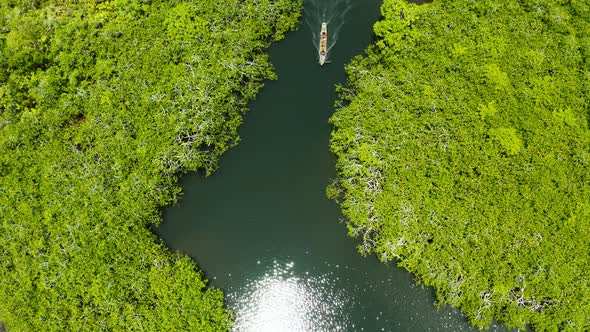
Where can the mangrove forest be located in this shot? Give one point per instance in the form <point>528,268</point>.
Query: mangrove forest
<point>103,104</point>
<point>463,148</point>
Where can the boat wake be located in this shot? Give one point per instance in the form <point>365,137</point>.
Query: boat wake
<point>333,13</point>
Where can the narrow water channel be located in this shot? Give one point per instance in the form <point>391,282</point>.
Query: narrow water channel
<point>262,228</point>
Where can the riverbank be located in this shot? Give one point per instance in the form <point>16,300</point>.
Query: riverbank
<point>462,154</point>
<point>103,106</point>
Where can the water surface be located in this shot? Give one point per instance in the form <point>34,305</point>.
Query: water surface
<point>262,228</point>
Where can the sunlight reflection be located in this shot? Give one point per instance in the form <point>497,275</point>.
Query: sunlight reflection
<point>282,301</point>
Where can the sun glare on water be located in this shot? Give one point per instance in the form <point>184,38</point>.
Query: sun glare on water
<point>281,301</point>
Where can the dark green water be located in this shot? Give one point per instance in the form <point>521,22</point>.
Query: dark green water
<point>261,227</point>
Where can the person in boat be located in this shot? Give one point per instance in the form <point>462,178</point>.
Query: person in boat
<point>322,53</point>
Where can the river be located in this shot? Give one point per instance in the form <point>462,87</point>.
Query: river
<point>262,228</point>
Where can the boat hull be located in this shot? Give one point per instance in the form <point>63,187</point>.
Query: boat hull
<point>323,43</point>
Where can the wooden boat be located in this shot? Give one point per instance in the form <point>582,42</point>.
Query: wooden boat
<point>323,43</point>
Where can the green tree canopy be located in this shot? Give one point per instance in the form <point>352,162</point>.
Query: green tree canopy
<point>463,147</point>
<point>102,105</point>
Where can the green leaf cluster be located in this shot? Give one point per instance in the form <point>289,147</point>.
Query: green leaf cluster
<point>463,148</point>
<point>102,105</point>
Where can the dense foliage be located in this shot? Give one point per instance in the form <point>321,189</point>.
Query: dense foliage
<point>102,105</point>
<point>463,149</point>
